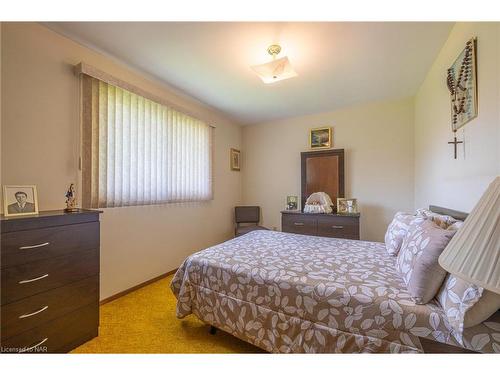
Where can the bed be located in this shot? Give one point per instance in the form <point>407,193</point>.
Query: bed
<point>290,293</point>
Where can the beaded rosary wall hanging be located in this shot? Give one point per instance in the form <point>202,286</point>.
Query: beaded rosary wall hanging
<point>462,84</point>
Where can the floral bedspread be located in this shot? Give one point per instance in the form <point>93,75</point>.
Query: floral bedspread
<point>288,293</point>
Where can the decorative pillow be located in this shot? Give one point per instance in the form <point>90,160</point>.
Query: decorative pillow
<point>487,305</point>
<point>466,304</point>
<point>456,297</point>
<point>396,231</point>
<point>456,225</point>
<point>418,259</point>
<point>443,221</point>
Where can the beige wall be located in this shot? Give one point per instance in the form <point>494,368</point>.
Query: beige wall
<point>378,141</point>
<point>40,139</point>
<point>439,179</point>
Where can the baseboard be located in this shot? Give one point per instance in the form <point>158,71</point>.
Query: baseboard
<point>127,291</point>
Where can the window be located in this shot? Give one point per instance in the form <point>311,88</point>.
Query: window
<point>136,151</point>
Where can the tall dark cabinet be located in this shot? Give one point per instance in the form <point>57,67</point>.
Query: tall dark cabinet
<point>50,281</point>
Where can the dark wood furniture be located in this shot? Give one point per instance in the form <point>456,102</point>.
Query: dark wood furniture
<point>50,281</point>
<point>435,347</point>
<point>322,171</point>
<point>246,215</point>
<point>324,225</point>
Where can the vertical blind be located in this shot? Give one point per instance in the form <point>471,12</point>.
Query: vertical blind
<point>138,152</point>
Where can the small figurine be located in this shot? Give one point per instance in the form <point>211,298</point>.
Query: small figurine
<point>71,199</point>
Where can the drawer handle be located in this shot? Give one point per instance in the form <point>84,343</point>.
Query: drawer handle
<point>34,246</point>
<point>298,224</point>
<point>34,346</point>
<point>35,279</point>
<point>33,313</point>
<point>337,226</point>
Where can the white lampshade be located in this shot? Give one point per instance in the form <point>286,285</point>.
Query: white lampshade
<point>274,71</point>
<point>473,254</point>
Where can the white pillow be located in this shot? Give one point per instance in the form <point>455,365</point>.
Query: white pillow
<point>456,225</point>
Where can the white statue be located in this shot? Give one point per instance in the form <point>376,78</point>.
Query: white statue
<point>319,203</point>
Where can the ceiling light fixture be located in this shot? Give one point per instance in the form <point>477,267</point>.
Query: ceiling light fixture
<point>276,70</point>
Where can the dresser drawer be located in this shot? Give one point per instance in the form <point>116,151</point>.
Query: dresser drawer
<point>33,311</point>
<point>58,335</point>
<point>339,227</point>
<point>28,279</point>
<point>32,245</point>
<point>301,224</point>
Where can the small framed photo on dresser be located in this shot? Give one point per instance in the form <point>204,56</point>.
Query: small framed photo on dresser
<point>292,202</point>
<point>346,206</point>
<point>20,200</point>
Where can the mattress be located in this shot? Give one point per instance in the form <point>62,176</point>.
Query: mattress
<point>289,293</point>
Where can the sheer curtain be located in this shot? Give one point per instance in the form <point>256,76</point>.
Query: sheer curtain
<point>138,152</point>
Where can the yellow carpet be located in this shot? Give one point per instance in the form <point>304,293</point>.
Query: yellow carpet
<point>144,321</point>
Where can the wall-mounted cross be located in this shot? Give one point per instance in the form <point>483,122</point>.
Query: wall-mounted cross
<point>455,143</point>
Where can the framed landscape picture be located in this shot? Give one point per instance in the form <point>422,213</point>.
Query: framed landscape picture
<point>20,200</point>
<point>320,138</point>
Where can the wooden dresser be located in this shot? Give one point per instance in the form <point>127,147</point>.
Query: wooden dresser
<point>324,225</point>
<point>50,281</point>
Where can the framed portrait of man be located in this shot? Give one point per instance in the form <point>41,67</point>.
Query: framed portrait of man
<point>20,200</point>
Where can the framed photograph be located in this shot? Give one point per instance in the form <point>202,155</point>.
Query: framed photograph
<point>20,200</point>
<point>292,202</point>
<point>320,138</point>
<point>347,206</point>
<point>235,159</point>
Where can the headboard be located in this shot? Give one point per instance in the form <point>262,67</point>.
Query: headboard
<point>447,211</point>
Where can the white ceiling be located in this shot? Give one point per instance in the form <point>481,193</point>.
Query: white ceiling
<point>338,63</point>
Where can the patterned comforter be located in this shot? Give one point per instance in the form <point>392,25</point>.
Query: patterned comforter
<point>288,293</point>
